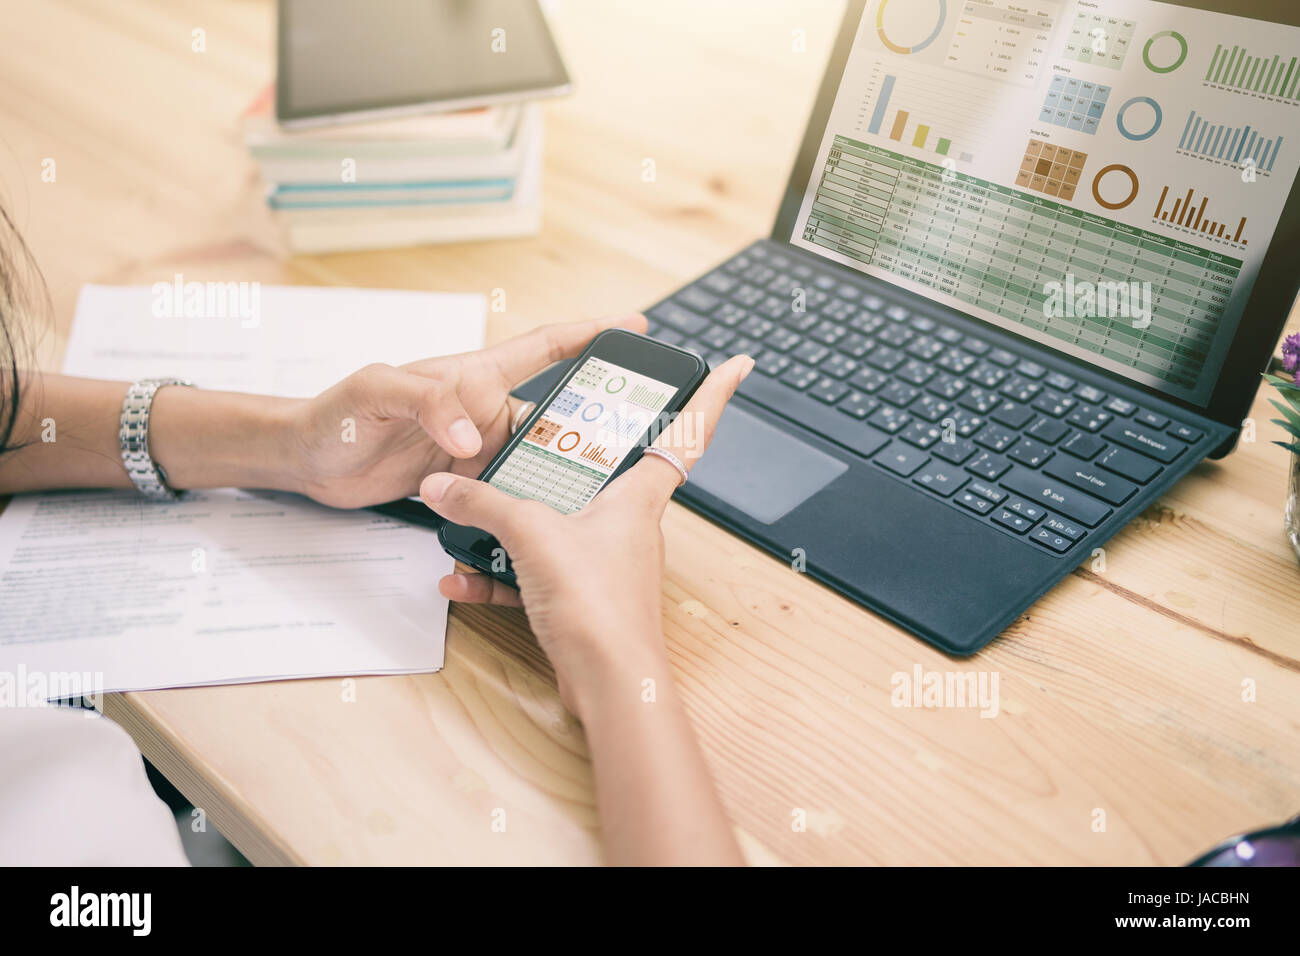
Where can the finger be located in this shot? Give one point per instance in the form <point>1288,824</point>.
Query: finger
<point>478,589</point>
<point>430,402</point>
<point>477,504</point>
<point>526,355</point>
<point>654,480</point>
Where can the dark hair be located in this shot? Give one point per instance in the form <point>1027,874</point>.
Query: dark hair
<point>22,287</point>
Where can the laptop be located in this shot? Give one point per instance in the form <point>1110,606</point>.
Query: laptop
<point>1028,268</point>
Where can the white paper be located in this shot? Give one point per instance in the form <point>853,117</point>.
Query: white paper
<point>230,586</point>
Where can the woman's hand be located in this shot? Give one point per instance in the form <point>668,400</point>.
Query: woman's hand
<point>590,582</point>
<point>374,435</point>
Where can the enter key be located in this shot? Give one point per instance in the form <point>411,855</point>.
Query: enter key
<point>1095,480</point>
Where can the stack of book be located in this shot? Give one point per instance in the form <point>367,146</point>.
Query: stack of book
<point>442,177</point>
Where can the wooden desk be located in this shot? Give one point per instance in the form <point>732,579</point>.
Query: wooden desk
<point>1120,691</point>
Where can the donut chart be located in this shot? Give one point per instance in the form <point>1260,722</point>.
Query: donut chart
<point>1182,56</point>
<point>916,47</point>
<point>611,388</point>
<point>1139,137</point>
<point>571,445</point>
<point>592,412</point>
<point>1096,186</point>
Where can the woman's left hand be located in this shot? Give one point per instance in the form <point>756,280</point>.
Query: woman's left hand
<point>373,436</point>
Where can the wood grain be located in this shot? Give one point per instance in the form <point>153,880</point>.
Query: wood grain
<point>1120,691</point>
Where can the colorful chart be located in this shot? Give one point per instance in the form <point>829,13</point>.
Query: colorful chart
<point>1176,62</point>
<point>1099,40</point>
<point>1237,145</point>
<point>1049,169</point>
<point>1236,69</point>
<point>1075,104</point>
<point>1155,121</point>
<point>1003,39</point>
<point>1188,214</point>
<point>928,121</point>
<point>543,431</point>
<point>915,47</point>
<point>566,403</point>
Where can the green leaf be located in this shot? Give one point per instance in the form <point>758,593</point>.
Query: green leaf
<point>1283,384</point>
<point>1290,429</point>
<point>1294,447</point>
<point>1292,414</point>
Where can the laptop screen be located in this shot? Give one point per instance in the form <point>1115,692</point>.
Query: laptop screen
<point>1101,177</point>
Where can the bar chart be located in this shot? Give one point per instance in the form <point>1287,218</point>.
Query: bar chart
<point>1237,145</point>
<point>928,122</point>
<point>1238,69</point>
<point>1192,215</point>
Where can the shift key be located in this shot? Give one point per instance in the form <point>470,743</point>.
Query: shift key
<point>1056,496</point>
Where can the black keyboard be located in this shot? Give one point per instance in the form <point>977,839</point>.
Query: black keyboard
<point>995,434</point>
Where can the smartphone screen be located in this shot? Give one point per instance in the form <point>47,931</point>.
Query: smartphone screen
<point>620,392</point>
<point>583,435</point>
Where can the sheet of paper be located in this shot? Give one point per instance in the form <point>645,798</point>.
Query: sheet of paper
<point>229,586</point>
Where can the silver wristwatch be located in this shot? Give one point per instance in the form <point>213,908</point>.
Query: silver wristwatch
<point>133,437</point>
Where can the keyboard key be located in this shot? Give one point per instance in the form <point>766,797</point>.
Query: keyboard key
<point>886,358</point>
<point>1150,418</point>
<point>930,408</point>
<point>755,327</point>
<point>923,323</point>
<point>1050,539</point>
<point>1053,403</point>
<point>1082,445</point>
<point>828,390</point>
<point>1054,494</point>
<point>925,348</point>
<point>981,506</point>
<point>839,310</point>
<point>858,405</point>
<point>889,420</point>
<point>855,345</point>
<point>828,333</point>
<point>1155,444</point>
<point>1130,464</point>
<point>1009,519</point>
<point>988,466</point>
<point>718,337</point>
<point>955,361</point>
<point>1002,357</point>
<point>1120,406</point>
<point>679,318</point>
<point>996,438</point>
<point>895,335</point>
<point>1185,432</point>
<point>730,314</point>
<point>946,386</point>
<point>1094,396</point>
<point>799,376</point>
<point>665,334</point>
<point>902,459</point>
<point>897,313</point>
<point>873,302</point>
<point>918,373</point>
<point>1013,415</point>
<point>987,375</point>
<point>1089,417</point>
<point>772,363</point>
<point>1025,509</point>
<point>948,335</point>
<point>968,424</point>
<point>897,393</point>
<point>782,339</point>
<point>1060,381</point>
<point>810,353</point>
<point>867,323</point>
<point>1047,430</point>
<point>867,379</point>
<point>696,298</point>
<point>1105,485</point>
<point>748,295</point>
<point>1030,452</point>
<point>942,480</point>
<point>1062,527</point>
<point>955,451</point>
<point>839,366</point>
<point>920,434</point>
<point>1018,389</point>
<point>974,346</point>
<point>1030,369</point>
<point>979,400</point>
<point>994,495</point>
<point>720,282</point>
<point>854,435</point>
<point>846,291</point>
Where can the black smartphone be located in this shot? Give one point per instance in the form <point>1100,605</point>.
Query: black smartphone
<point>619,394</point>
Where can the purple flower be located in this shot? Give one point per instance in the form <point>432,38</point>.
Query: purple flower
<point>1291,353</point>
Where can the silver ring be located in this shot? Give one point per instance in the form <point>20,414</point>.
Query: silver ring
<point>522,412</point>
<point>670,458</point>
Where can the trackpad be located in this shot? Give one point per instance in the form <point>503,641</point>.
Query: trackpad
<point>760,469</point>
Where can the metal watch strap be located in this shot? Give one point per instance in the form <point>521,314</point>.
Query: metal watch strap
<point>133,437</point>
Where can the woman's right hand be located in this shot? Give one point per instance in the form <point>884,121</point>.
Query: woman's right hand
<point>590,582</point>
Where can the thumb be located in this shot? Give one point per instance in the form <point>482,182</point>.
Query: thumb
<point>466,501</point>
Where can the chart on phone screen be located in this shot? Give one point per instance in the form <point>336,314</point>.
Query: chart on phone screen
<point>582,436</point>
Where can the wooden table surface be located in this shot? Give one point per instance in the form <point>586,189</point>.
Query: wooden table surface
<point>1121,692</point>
